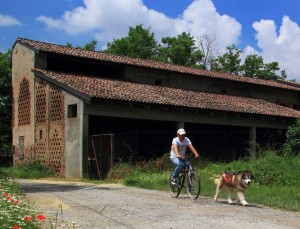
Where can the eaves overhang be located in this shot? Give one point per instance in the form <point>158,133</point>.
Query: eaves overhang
<point>86,98</point>
<point>98,89</point>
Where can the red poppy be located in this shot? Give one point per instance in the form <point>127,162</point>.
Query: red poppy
<point>16,202</point>
<point>40,217</point>
<point>16,227</point>
<point>6,194</point>
<point>8,198</point>
<point>27,218</point>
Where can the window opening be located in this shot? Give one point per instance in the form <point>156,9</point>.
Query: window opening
<point>72,111</point>
<point>21,147</point>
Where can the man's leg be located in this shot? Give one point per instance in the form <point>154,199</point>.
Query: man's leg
<point>179,165</point>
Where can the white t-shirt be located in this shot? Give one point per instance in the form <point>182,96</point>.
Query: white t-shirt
<point>181,146</point>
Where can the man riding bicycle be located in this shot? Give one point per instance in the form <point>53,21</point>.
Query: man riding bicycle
<point>178,150</point>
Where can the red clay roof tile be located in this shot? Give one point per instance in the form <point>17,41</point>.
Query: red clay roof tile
<point>101,88</point>
<point>59,49</point>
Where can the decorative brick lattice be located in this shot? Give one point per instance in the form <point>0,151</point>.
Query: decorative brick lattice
<point>40,109</point>
<point>41,151</point>
<point>56,105</point>
<point>57,140</point>
<point>56,150</point>
<point>50,126</point>
<point>24,103</point>
<point>41,139</point>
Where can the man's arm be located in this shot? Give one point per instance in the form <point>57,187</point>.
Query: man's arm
<point>178,155</point>
<point>191,147</point>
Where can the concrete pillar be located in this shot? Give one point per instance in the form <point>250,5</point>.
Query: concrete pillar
<point>180,125</point>
<point>252,140</point>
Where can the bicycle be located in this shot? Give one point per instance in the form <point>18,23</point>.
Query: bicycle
<point>192,179</point>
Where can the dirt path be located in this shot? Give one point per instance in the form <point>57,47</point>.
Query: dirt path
<point>115,206</point>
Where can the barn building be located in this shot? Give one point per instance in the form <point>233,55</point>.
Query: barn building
<point>82,111</point>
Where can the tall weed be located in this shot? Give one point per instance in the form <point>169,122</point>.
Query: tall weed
<point>28,170</point>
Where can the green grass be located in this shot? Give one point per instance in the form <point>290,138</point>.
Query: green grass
<point>276,178</point>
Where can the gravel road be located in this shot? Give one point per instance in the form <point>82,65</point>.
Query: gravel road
<point>94,206</point>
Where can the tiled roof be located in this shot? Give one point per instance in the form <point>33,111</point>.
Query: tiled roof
<point>77,52</point>
<point>92,87</point>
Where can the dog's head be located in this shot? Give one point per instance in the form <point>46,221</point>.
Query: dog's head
<point>247,177</point>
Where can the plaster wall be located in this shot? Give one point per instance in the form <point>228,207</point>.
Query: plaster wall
<point>22,63</point>
<point>73,150</point>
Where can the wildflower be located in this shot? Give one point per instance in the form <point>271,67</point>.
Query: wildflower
<point>27,218</point>
<point>16,202</point>
<point>6,195</point>
<point>16,227</point>
<point>40,217</point>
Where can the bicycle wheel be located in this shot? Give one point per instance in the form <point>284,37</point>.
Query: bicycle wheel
<point>193,185</point>
<point>174,189</point>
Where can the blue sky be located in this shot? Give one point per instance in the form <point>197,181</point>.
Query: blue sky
<point>270,28</point>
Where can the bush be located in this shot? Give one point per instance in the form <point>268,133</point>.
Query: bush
<point>292,145</point>
<point>272,169</point>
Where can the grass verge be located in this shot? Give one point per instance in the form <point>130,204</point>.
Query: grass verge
<point>276,179</point>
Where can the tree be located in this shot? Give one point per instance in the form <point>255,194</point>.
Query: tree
<point>252,66</point>
<point>139,43</point>
<point>207,46</point>
<point>292,145</point>
<point>91,46</point>
<point>229,62</point>
<point>184,50</point>
<point>5,102</point>
<point>255,67</point>
<point>180,50</point>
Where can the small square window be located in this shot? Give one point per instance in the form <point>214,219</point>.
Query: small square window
<point>72,111</point>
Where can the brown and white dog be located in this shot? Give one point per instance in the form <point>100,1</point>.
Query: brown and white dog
<point>230,181</point>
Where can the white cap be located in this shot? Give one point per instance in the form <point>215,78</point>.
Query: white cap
<point>181,132</point>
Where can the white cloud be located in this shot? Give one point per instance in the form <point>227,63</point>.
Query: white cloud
<point>8,21</point>
<point>201,17</point>
<point>107,20</point>
<point>282,46</point>
<point>111,19</point>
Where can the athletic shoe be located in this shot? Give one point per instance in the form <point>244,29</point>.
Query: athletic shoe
<point>173,181</point>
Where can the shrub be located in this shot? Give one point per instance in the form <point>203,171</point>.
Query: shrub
<point>272,169</point>
<point>292,145</point>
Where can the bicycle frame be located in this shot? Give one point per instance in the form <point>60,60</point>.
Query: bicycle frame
<point>193,183</point>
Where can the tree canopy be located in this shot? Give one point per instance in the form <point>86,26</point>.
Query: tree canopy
<point>140,43</point>
<point>229,62</point>
<point>185,50</point>
<point>180,50</point>
<point>5,102</point>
